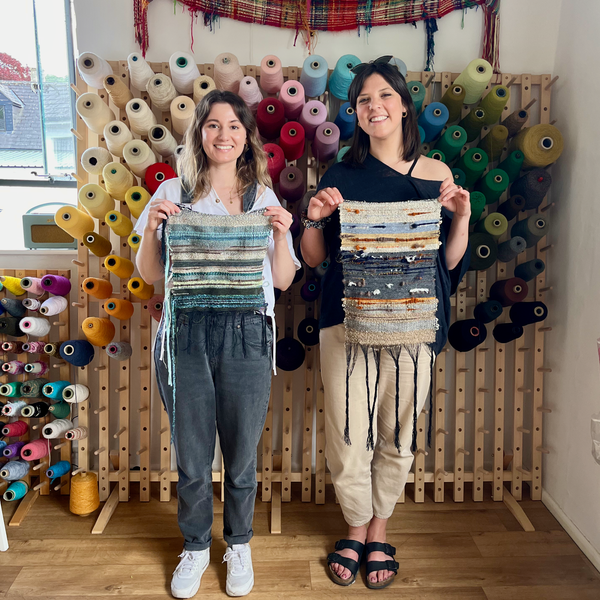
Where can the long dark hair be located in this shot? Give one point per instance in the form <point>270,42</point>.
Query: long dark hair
<point>411,139</point>
<point>193,163</point>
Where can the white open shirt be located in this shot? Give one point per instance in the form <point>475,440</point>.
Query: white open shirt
<point>212,205</point>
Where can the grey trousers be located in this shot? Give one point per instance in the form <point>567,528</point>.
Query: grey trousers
<point>223,381</point>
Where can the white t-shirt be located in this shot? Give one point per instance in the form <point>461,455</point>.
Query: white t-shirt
<point>212,205</point>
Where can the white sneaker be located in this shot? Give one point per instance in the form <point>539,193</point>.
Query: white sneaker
<point>240,575</point>
<point>189,571</point>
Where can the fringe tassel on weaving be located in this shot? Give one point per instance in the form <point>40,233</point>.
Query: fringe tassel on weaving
<point>351,356</point>
<point>394,352</point>
<point>413,352</point>
<point>431,27</point>
<point>491,40</point>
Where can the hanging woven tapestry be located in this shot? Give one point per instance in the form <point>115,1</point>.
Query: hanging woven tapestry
<point>388,253</point>
<point>308,16</point>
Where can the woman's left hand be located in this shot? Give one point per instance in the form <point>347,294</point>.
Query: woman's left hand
<point>281,219</point>
<point>454,198</point>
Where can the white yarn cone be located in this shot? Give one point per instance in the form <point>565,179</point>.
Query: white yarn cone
<point>141,118</point>
<point>182,111</point>
<point>162,140</point>
<point>138,156</point>
<point>162,91</point>
<point>117,134</point>
<point>139,70</point>
<point>93,160</point>
<point>93,69</point>
<point>183,71</point>
<point>202,86</point>
<point>94,112</point>
<point>250,93</point>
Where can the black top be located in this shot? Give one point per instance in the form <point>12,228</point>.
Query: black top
<point>374,181</point>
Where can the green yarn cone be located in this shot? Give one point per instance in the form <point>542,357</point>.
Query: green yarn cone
<point>473,163</point>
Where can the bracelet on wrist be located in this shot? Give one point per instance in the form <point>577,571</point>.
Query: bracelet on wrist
<point>308,223</point>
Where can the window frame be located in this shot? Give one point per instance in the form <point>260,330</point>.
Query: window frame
<point>3,126</point>
<point>46,180</point>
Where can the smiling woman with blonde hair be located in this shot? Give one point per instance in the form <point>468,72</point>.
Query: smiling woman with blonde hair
<point>225,244</point>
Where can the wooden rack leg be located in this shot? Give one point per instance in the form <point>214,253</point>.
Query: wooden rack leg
<point>267,453</point>
<point>276,497</point>
<point>107,511</point>
<point>288,393</point>
<point>459,406</point>
<point>320,442</point>
<point>145,385</point>
<point>440,424</point>
<point>479,417</point>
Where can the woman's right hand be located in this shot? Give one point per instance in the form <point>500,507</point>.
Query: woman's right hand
<point>160,210</point>
<point>324,203</point>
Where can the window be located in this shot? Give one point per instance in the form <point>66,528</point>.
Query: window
<point>36,102</point>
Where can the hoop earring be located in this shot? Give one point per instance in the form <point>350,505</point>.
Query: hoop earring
<point>404,114</point>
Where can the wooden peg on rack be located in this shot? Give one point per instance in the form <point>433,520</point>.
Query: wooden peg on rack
<point>543,450</point>
<point>58,365</point>
<point>523,430</point>
<point>100,368</point>
<point>463,370</point>
<point>523,349</point>
<point>554,80</point>
<point>99,451</point>
<point>543,409</point>
<point>547,207</point>
<point>444,431</point>
<point>546,247</point>
<point>483,390</point>
<point>464,411</point>
<point>120,432</point>
<point>425,411</point>
<point>120,389</point>
<point>482,430</point>
<point>483,349</point>
<point>77,263</point>
<point>514,78</point>
<point>545,289</point>
<point>99,410</point>
<point>442,391</point>
<point>58,324</point>
<point>463,451</point>
<point>40,485</point>
<point>80,138</point>
<point>60,485</point>
<point>61,445</point>
<point>423,452</point>
<point>429,80</point>
<point>524,390</point>
<point>141,450</point>
<point>530,104</point>
<point>40,465</point>
<point>77,305</point>
<point>552,123</point>
<point>524,471</point>
<point>163,430</point>
<point>441,472</point>
<point>76,471</point>
<point>75,89</point>
<point>545,329</point>
<point>142,368</point>
<point>142,409</point>
<point>483,471</point>
<point>544,370</point>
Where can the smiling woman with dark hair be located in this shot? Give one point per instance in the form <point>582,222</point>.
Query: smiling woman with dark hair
<point>387,389</point>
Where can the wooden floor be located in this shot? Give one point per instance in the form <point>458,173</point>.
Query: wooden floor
<point>466,551</point>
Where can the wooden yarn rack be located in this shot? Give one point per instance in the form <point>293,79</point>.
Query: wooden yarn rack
<point>488,403</point>
<point>36,479</point>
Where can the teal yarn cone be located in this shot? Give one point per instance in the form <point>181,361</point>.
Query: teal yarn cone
<point>15,491</point>
<point>473,163</point>
<point>400,65</point>
<point>342,76</point>
<point>477,206</point>
<point>513,164</point>
<point>530,269</point>
<point>437,155</point>
<point>60,410</point>
<point>417,93</point>
<point>55,389</point>
<point>459,177</point>
<point>433,119</point>
<point>346,121</point>
<point>11,390</point>
<point>532,229</point>
<point>59,469</point>
<point>451,142</point>
<point>473,123</point>
<point>421,134</point>
<point>493,185</point>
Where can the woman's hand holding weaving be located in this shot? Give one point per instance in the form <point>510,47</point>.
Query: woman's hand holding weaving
<point>454,198</point>
<point>324,203</point>
<point>160,210</point>
<point>281,219</point>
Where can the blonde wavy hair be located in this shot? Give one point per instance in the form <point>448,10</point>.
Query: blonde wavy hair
<point>192,165</point>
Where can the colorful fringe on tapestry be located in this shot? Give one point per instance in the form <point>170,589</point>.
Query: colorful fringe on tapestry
<point>308,16</point>
<point>388,254</point>
<point>212,263</point>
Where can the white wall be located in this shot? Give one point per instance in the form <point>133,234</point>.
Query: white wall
<point>527,39</point>
<point>572,477</point>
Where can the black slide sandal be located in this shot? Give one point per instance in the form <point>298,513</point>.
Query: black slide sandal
<point>350,564</point>
<point>380,565</point>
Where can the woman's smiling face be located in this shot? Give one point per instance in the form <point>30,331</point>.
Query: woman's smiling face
<point>379,108</point>
<point>223,135</point>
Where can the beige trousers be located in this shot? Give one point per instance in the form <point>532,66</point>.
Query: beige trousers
<point>369,482</point>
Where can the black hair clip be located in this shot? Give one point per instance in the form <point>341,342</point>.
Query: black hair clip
<point>358,69</point>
